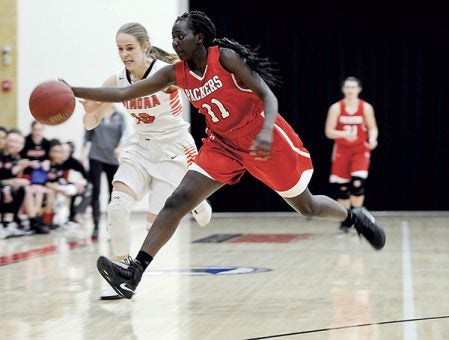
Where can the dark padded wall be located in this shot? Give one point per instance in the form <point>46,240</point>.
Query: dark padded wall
<point>401,54</point>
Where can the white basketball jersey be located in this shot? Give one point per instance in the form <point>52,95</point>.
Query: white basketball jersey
<point>158,116</point>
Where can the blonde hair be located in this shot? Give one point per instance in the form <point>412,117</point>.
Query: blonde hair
<point>140,33</point>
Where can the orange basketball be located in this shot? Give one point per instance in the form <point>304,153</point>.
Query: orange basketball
<point>52,102</point>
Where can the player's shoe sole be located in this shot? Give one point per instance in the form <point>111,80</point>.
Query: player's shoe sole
<point>110,294</point>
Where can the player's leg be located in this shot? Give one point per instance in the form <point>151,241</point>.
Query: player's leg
<point>186,151</point>
<point>341,192</point>
<point>340,179</point>
<point>359,173</point>
<point>358,190</point>
<point>193,189</point>
<point>340,176</point>
<point>119,210</point>
<point>118,221</point>
<point>291,182</point>
<point>129,183</point>
<point>321,206</point>
<point>166,176</point>
<point>317,206</point>
<point>212,168</point>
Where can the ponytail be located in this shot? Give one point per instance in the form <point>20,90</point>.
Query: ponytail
<point>158,53</point>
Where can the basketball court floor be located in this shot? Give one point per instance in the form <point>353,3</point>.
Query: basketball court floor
<point>245,276</point>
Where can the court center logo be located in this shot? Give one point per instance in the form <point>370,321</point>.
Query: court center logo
<point>205,271</point>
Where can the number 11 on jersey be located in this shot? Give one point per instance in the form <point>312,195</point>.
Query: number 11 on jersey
<point>218,107</point>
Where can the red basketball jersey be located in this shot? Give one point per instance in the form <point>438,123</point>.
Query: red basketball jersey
<point>353,122</point>
<point>227,105</point>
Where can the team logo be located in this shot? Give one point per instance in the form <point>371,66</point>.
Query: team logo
<point>206,271</point>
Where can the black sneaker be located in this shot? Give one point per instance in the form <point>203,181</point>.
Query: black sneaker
<point>109,293</point>
<point>123,280</point>
<point>343,228</point>
<point>365,224</point>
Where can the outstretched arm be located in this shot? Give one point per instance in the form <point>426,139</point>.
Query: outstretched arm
<point>94,111</point>
<point>160,80</point>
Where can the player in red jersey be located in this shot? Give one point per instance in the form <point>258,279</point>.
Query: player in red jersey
<point>351,123</point>
<point>229,84</point>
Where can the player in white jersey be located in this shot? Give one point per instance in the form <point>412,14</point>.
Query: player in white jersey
<point>157,156</point>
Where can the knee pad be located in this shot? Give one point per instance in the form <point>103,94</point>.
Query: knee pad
<point>357,186</point>
<point>341,190</point>
<point>119,209</point>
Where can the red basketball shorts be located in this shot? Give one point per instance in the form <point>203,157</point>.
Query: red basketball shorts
<point>288,170</point>
<point>348,161</point>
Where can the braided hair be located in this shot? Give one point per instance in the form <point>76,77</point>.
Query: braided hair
<point>199,22</point>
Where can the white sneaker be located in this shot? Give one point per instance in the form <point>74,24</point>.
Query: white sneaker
<point>13,230</point>
<point>109,293</point>
<point>3,232</point>
<point>202,213</point>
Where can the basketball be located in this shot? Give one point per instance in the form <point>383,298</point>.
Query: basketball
<point>52,102</point>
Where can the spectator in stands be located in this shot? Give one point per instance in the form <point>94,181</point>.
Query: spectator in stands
<point>36,147</point>
<point>36,151</point>
<point>59,190</point>
<point>3,133</point>
<point>75,173</point>
<point>16,194</point>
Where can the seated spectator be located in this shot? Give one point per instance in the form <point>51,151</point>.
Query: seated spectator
<point>54,175</point>
<point>36,152</point>
<point>3,133</point>
<point>36,148</point>
<point>15,193</point>
<point>75,173</point>
<point>59,189</point>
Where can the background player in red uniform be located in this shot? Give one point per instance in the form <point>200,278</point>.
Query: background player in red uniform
<point>351,123</point>
<point>229,84</point>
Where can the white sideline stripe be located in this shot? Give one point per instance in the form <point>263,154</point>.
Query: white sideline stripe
<point>410,332</point>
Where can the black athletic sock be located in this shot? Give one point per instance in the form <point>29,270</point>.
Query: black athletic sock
<point>144,258</point>
<point>349,221</point>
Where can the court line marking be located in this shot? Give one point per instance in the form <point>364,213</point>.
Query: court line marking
<point>408,307</point>
<point>41,251</point>
<point>346,327</point>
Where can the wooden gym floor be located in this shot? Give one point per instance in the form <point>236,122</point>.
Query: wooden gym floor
<point>245,276</point>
